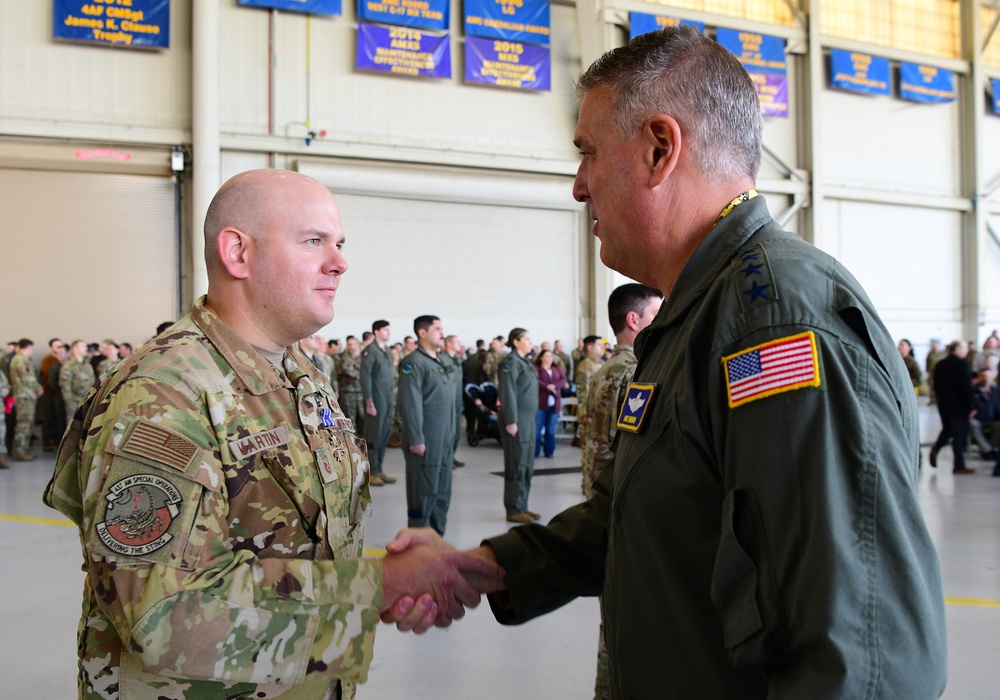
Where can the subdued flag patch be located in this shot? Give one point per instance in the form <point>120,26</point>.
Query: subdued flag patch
<point>772,368</point>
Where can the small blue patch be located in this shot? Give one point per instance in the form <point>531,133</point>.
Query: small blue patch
<point>406,368</point>
<point>505,367</point>
<point>327,415</point>
<point>637,401</point>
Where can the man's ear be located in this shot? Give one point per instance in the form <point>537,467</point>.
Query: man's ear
<point>234,249</point>
<point>662,134</point>
<point>632,321</point>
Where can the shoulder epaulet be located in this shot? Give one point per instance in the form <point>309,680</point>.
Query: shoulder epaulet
<point>754,282</point>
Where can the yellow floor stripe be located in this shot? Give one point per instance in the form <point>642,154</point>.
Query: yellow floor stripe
<point>966,602</point>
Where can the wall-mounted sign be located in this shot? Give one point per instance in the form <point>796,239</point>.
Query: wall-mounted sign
<point>511,20</point>
<point>137,24</point>
<point>859,72</point>
<point>995,85</point>
<point>316,7</point>
<point>507,63</point>
<point>403,51</point>
<point>919,83</point>
<point>422,14</point>
<point>643,23</point>
<point>758,52</point>
<point>764,58</point>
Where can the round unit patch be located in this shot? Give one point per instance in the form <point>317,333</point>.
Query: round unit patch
<point>140,509</point>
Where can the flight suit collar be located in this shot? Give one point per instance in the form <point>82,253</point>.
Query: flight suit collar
<point>712,257</point>
<point>254,371</point>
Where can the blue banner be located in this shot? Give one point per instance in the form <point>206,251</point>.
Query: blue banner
<point>422,14</point>
<point>643,23</point>
<point>138,24</point>
<point>757,52</point>
<point>772,91</point>
<point>403,51</point>
<point>507,64</point>
<point>316,7</point>
<point>511,20</point>
<point>919,83</point>
<point>995,84</point>
<point>859,72</point>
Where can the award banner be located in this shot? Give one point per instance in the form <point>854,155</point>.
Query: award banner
<point>757,52</point>
<point>995,84</point>
<point>859,72</point>
<point>919,83</point>
<point>772,91</point>
<point>403,51</point>
<point>316,7</point>
<point>422,14</point>
<point>137,24</point>
<point>511,20</point>
<point>507,64</point>
<point>643,23</point>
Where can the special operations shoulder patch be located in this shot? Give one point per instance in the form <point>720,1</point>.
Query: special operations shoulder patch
<point>772,368</point>
<point>140,509</point>
<point>638,399</point>
<point>406,368</point>
<point>505,367</point>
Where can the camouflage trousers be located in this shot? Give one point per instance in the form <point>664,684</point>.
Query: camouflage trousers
<point>25,424</point>
<point>3,430</point>
<point>352,404</point>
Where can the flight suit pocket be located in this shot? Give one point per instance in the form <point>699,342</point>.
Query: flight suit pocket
<point>743,590</point>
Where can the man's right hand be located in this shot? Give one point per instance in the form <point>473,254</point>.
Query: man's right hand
<point>511,429</point>
<point>371,410</point>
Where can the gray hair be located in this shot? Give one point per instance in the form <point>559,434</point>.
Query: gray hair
<point>680,72</point>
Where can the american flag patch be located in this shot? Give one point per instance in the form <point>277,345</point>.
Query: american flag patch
<point>161,446</point>
<point>772,368</point>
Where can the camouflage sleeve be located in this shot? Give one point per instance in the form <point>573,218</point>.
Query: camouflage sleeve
<point>184,591</point>
<point>4,387</point>
<point>618,392</point>
<point>351,369</point>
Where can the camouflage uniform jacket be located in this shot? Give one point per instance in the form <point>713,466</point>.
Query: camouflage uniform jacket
<point>76,379</point>
<point>492,365</point>
<point>585,369</point>
<point>349,373</point>
<point>221,508</point>
<point>600,415</point>
<point>23,381</point>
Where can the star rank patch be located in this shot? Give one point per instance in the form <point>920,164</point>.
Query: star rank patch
<point>772,368</point>
<point>637,401</point>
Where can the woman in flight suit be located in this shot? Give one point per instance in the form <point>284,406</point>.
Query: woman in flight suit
<point>518,407</point>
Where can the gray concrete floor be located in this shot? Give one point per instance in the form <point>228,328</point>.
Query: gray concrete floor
<point>551,658</point>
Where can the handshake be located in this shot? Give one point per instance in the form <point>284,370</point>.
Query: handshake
<point>428,582</point>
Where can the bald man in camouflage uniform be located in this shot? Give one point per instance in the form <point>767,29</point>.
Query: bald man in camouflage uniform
<point>76,378</point>
<point>221,493</point>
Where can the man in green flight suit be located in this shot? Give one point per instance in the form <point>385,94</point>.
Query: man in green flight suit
<point>452,354</point>
<point>757,534</point>
<point>427,408</point>
<point>377,386</point>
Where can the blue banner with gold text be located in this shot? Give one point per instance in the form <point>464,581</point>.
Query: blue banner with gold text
<point>316,7</point>
<point>511,20</point>
<point>995,84</point>
<point>507,63</point>
<point>403,51</point>
<point>137,24</point>
<point>929,84</point>
<point>421,14</point>
<point>757,52</point>
<point>859,72</point>
<point>643,23</point>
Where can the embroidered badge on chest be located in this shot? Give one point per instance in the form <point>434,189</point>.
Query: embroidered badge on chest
<point>772,368</point>
<point>638,399</point>
<point>139,511</point>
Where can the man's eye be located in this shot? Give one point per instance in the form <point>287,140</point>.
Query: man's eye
<point>314,241</point>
